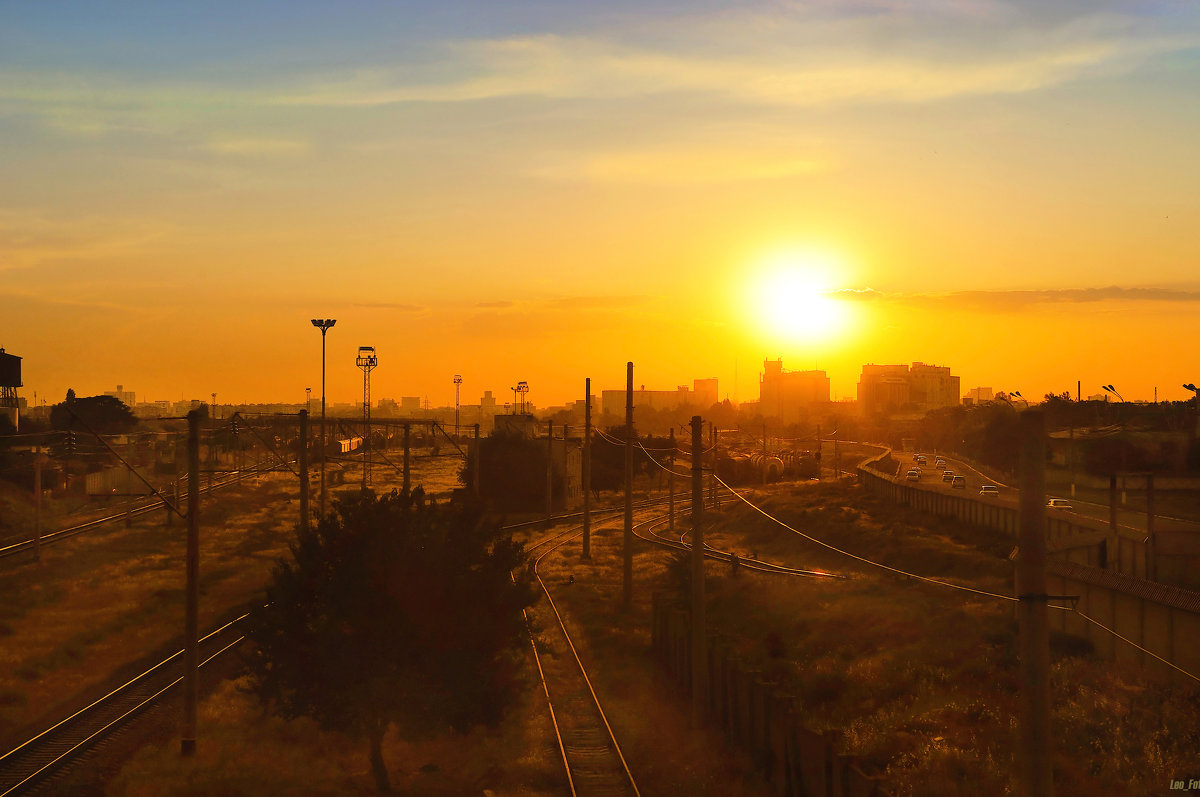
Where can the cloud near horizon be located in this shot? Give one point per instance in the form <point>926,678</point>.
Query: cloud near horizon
<point>1016,299</point>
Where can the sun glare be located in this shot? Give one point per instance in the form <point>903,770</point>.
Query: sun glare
<point>791,299</point>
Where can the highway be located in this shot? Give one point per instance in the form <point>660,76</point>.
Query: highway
<point>1096,514</point>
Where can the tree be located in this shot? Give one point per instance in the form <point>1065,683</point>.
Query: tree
<point>393,611</point>
<point>104,414</point>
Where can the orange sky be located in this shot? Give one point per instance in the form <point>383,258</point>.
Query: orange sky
<point>545,193</point>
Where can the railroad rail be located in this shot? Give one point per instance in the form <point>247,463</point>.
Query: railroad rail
<point>27,765</point>
<point>151,506</point>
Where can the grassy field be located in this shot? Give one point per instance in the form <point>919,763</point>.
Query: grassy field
<point>921,680</point>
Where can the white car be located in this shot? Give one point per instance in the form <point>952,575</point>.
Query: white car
<point>913,475</point>
<point>1059,503</point>
<point>989,489</point>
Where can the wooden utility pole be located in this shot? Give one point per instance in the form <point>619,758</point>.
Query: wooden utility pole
<point>303,457</point>
<point>671,486</point>
<point>1033,631</point>
<point>628,536</point>
<point>587,468</point>
<point>550,472</point>
<point>699,644</point>
<point>191,621</point>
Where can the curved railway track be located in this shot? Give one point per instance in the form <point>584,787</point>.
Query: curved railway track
<point>24,767</point>
<point>591,754</point>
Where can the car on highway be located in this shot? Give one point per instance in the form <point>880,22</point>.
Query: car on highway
<point>921,460</point>
<point>959,482</point>
<point>989,489</point>
<point>1059,503</point>
<point>939,463</point>
<point>913,475</point>
<point>947,475</point>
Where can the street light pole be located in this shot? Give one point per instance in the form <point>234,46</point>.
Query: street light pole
<point>457,385</point>
<point>323,325</point>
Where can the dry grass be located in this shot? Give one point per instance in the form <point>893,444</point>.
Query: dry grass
<point>921,680</point>
<point>97,603</point>
<point>244,750</point>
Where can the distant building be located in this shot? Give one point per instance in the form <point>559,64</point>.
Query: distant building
<point>891,388</point>
<point>702,396</point>
<point>126,397</point>
<point>782,394</point>
<point>978,395</point>
<point>410,405</point>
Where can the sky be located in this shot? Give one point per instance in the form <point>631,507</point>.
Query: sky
<point>542,191</point>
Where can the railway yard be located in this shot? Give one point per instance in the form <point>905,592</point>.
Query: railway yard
<point>916,681</point>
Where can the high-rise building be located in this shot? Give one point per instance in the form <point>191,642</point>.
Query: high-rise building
<point>892,388</point>
<point>782,394</point>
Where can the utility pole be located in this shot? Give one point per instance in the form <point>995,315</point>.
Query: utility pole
<point>764,455</point>
<point>303,456</point>
<point>818,452</point>
<point>699,645</point>
<point>550,472</point>
<point>837,457</point>
<point>478,462</point>
<point>407,477</point>
<point>1152,546</point>
<point>1033,632</point>
<point>587,468</point>
<point>628,536</point>
<point>671,486</point>
<point>37,503</point>
<point>191,622</point>
<point>712,474</point>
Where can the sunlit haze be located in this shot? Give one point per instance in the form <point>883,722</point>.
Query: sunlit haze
<point>542,192</point>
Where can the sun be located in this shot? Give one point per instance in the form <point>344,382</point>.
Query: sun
<point>791,298</point>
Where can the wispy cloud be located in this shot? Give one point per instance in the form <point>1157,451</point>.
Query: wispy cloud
<point>29,239</point>
<point>1015,300</point>
<point>685,165</point>
<point>850,68</point>
<point>264,147</point>
<point>399,306</point>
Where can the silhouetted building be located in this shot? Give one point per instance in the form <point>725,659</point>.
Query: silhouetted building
<point>891,388</point>
<point>782,394</point>
<point>702,396</point>
<point>10,380</point>
<point>978,395</point>
<point>126,397</point>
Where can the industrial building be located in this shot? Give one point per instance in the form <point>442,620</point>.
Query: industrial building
<point>786,394</point>
<point>702,395</point>
<point>894,388</point>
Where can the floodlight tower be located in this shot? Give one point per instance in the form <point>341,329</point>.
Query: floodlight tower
<point>367,361</point>
<point>522,388</point>
<point>323,324</point>
<point>457,385</point>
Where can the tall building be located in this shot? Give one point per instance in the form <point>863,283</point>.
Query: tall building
<point>782,394</point>
<point>892,388</point>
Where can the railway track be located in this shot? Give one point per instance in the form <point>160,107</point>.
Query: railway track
<point>592,758</point>
<point>155,505</point>
<point>24,767</point>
